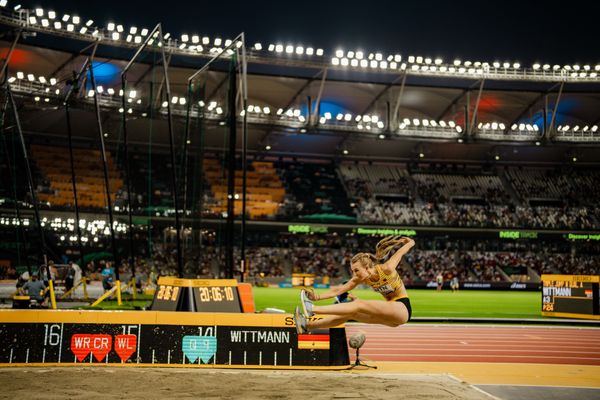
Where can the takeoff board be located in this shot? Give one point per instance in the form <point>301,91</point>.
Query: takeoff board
<point>571,296</point>
<point>161,338</point>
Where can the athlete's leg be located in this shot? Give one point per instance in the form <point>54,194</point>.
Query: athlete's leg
<point>370,311</point>
<point>325,322</point>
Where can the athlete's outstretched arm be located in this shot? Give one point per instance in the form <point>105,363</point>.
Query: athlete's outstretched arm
<point>395,259</point>
<point>335,291</point>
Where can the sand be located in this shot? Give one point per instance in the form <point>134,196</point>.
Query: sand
<point>166,383</point>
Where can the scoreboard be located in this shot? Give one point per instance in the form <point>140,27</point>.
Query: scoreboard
<point>200,295</point>
<point>303,280</point>
<point>571,296</point>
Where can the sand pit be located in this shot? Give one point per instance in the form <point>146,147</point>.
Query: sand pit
<point>164,383</point>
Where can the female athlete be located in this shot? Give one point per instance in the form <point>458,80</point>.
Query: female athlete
<point>367,269</point>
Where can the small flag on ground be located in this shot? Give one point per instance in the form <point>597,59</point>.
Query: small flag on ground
<point>313,342</point>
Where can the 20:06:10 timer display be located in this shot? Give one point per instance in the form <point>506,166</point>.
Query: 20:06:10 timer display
<point>216,293</point>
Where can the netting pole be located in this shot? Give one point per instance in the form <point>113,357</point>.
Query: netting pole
<point>173,165</point>
<point>71,158</point>
<point>105,169</point>
<point>31,189</point>
<point>230,234</point>
<point>11,172</point>
<point>127,174</point>
<point>244,88</point>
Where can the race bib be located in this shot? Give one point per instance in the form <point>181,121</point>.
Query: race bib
<point>385,289</point>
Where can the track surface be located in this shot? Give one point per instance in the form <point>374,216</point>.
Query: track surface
<point>476,343</point>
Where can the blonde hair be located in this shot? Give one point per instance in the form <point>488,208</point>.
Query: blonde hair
<point>382,250</point>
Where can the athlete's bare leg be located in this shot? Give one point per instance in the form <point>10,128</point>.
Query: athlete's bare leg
<point>369,311</point>
<point>325,322</point>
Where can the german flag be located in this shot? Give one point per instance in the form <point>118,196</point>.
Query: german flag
<point>313,342</point>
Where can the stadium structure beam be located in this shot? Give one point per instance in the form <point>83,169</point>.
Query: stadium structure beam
<point>9,54</point>
<point>381,93</point>
<point>73,57</point>
<point>456,100</point>
<point>474,117</point>
<point>392,125</point>
<point>313,118</point>
<point>530,105</point>
<point>548,134</point>
<point>267,135</point>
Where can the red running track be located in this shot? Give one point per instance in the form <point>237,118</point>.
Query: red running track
<point>475,343</point>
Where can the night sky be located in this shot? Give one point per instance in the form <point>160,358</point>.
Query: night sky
<point>523,31</point>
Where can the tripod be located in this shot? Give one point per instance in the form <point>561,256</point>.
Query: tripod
<point>359,363</point>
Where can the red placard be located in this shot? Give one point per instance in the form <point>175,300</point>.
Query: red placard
<point>125,346</point>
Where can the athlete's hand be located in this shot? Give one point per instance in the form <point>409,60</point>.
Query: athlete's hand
<point>311,294</point>
<point>352,297</point>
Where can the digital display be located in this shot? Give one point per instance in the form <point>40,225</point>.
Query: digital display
<point>570,296</point>
<point>517,235</point>
<point>303,280</point>
<point>385,231</point>
<point>200,295</point>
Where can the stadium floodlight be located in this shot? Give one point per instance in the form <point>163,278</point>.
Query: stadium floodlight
<point>327,115</point>
<point>279,48</point>
<point>32,20</point>
<point>438,61</point>
<point>501,126</point>
<point>144,31</point>
<point>576,67</point>
<point>129,38</point>
<point>494,125</point>
<point>556,67</point>
<point>480,125</point>
<point>373,64</point>
<point>185,38</point>
<point>575,128</point>
<point>506,65</point>
<point>497,157</point>
<point>359,55</point>
<point>393,65</point>
<point>30,77</point>
<point>218,42</point>
<point>419,60</point>
<point>546,67</point>
<point>45,23</point>
<point>516,65</point>
<point>425,122</point>
<point>416,122</point>
<point>17,7</point>
<point>496,64</point>
<point>442,124</point>
<point>70,27</point>
<point>111,91</point>
<point>228,42</point>
<point>133,30</point>
<point>100,89</point>
<point>266,110</point>
<point>421,154</point>
<point>462,70</point>
<point>586,128</point>
<point>52,81</point>
<point>65,17</point>
<point>414,67</point>
<point>567,67</point>
<point>344,62</point>
<point>39,12</point>
<point>76,20</point>
<point>381,136</point>
<point>115,36</point>
<point>182,101</point>
<point>457,62</point>
<point>42,79</point>
<point>110,26</point>
<point>11,79</point>
<point>299,50</point>
<point>57,25</point>
<point>521,127</point>
<point>90,93</point>
<point>339,53</point>
<point>566,128</point>
<point>383,64</point>
<point>335,61</point>
<point>3,3</point>
<point>594,128</point>
<point>310,51</point>
<point>88,23</point>
<point>83,30</point>
<point>467,63</point>
<point>536,66</point>
<point>378,56</point>
<point>354,62</point>
<point>364,63</point>
<point>350,54</point>
<point>319,52</point>
<point>411,59</point>
<point>257,46</point>
<point>452,124</point>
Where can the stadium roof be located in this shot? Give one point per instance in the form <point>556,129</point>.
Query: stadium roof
<point>375,113</point>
